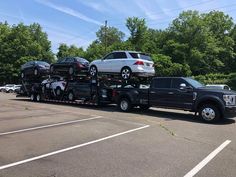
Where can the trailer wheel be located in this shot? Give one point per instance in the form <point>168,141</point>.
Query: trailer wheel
<point>38,98</point>
<point>71,96</point>
<point>32,97</point>
<point>125,105</point>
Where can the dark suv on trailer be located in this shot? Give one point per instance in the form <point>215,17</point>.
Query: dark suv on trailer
<point>180,93</point>
<point>70,65</point>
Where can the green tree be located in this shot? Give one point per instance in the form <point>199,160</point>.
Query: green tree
<point>165,67</point>
<point>70,51</point>
<point>109,35</point>
<point>19,44</point>
<point>138,32</point>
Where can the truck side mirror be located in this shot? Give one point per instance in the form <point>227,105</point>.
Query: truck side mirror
<point>182,86</point>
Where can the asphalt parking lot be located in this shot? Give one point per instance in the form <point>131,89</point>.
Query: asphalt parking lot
<point>49,140</point>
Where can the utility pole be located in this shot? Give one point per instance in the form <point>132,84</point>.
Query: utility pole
<point>105,37</point>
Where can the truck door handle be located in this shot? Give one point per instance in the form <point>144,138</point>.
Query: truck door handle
<point>170,93</point>
<point>152,92</point>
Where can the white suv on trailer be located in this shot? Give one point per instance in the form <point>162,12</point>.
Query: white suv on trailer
<point>125,63</point>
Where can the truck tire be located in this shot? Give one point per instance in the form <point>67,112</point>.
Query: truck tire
<point>144,107</point>
<point>125,105</point>
<point>209,113</point>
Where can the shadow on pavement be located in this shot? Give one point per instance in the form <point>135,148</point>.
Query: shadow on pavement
<point>162,114</point>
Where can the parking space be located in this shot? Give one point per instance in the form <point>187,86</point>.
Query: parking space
<point>47,140</point>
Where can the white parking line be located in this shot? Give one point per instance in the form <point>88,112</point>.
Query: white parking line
<point>197,168</point>
<point>69,148</point>
<point>47,126</point>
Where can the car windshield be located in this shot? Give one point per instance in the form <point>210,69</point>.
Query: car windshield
<point>140,56</point>
<point>194,83</point>
<point>81,60</point>
<point>42,63</point>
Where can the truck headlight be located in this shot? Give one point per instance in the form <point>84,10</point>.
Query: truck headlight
<point>229,100</point>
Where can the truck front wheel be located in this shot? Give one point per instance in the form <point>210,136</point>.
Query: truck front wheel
<point>209,113</point>
<point>125,105</point>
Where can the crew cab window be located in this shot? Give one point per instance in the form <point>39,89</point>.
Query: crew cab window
<point>177,81</point>
<point>162,83</point>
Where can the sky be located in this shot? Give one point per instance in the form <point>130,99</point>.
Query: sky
<point>76,21</point>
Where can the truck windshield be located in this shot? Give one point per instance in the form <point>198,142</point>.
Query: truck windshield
<point>194,83</point>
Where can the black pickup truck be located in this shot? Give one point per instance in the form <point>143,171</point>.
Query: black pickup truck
<point>179,93</point>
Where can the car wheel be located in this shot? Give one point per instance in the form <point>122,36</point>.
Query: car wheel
<point>51,69</point>
<point>71,96</point>
<point>10,91</point>
<point>126,73</point>
<point>144,107</point>
<point>22,74</point>
<point>36,72</point>
<point>93,71</point>
<point>44,88</point>
<point>58,91</point>
<point>125,105</point>
<point>71,70</point>
<point>209,113</point>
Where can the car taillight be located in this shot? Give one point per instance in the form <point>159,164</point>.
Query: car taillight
<point>64,84</point>
<point>139,63</point>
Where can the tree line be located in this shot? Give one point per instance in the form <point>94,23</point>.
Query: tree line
<point>193,44</point>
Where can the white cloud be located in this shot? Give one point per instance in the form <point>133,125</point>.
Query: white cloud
<point>57,38</point>
<point>96,6</point>
<point>147,8</point>
<point>69,11</point>
<point>124,8</point>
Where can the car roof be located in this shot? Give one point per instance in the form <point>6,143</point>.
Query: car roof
<point>126,51</point>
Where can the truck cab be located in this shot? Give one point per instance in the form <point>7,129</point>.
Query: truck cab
<point>180,93</point>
